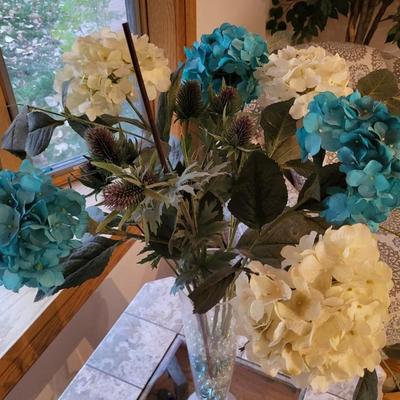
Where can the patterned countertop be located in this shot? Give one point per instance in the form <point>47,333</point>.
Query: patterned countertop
<point>125,364</point>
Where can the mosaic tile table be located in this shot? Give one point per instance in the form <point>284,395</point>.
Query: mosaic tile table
<point>134,353</point>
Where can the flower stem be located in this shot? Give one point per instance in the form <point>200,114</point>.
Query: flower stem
<point>137,112</point>
<point>172,267</point>
<point>88,123</point>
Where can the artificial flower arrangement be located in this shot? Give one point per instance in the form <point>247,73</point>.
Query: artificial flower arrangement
<point>211,201</point>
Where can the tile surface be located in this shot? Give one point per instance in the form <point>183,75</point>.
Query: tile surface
<point>132,350</point>
<point>91,384</point>
<point>319,396</point>
<point>155,303</point>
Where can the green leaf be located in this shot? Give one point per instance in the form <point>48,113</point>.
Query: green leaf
<point>14,138</point>
<point>160,243</point>
<point>285,230</point>
<point>279,132</point>
<point>310,191</point>
<point>166,104</point>
<point>393,351</point>
<point>393,104</point>
<point>316,188</point>
<point>260,193</point>
<point>213,289</point>
<point>80,126</point>
<point>288,150</point>
<point>218,259</point>
<point>380,85</point>
<point>41,127</point>
<point>305,169</point>
<point>106,221</point>
<point>367,387</point>
<point>85,263</point>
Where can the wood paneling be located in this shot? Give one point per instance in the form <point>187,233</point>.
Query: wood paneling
<point>7,160</point>
<point>27,349</point>
<point>170,24</point>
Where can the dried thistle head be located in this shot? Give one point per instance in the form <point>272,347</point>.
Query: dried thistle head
<point>120,195</point>
<point>227,99</point>
<point>101,144</point>
<point>189,103</point>
<point>240,131</point>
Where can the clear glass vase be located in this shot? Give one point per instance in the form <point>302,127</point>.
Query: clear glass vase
<point>211,343</point>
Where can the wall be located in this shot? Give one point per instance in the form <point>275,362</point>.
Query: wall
<point>249,13</point>
<point>56,367</point>
<point>252,14</point>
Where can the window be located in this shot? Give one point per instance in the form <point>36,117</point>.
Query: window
<point>33,36</point>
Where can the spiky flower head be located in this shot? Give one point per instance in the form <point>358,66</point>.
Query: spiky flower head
<point>120,195</point>
<point>228,100</point>
<point>189,102</point>
<point>240,131</point>
<point>101,144</point>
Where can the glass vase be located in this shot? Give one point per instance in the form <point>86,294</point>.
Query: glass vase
<point>211,343</point>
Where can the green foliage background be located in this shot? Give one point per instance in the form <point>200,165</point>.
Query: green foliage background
<point>33,36</point>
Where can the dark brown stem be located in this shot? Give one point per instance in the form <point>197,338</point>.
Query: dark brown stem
<point>145,97</point>
<point>378,18</point>
<point>367,12</point>
<point>353,19</point>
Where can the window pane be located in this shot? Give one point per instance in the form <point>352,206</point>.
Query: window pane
<point>33,36</point>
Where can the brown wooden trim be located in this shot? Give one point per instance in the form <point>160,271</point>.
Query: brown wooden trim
<point>22,355</point>
<point>190,22</point>
<point>7,89</point>
<point>170,24</point>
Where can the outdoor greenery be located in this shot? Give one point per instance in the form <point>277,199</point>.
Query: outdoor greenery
<point>33,36</point>
<point>309,18</point>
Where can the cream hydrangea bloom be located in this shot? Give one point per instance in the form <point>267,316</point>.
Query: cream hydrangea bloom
<point>100,73</point>
<point>322,321</point>
<point>302,73</point>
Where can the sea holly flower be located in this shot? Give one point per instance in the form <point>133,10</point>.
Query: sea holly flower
<point>366,138</point>
<point>229,54</point>
<point>39,227</point>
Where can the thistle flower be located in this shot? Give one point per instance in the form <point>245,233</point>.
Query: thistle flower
<point>240,131</point>
<point>120,195</point>
<point>189,103</point>
<point>101,144</point>
<point>227,100</point>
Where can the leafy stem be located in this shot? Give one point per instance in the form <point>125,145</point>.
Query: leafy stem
<point>138,113</point>
<point>89,123</point>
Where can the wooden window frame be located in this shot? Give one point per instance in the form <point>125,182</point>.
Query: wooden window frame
<point>29,347</point>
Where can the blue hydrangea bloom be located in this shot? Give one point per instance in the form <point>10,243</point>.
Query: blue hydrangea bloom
<point>230,53</point>
<point>366,138</point>
<point>40,225</point>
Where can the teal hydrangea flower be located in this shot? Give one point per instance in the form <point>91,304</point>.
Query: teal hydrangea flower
<point>366,138</point>
<point>40,225</point>
<point>229,53</point>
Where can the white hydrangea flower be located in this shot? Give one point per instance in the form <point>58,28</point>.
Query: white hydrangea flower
<point>322,321</point>
<point>302,73</point>
<point>100,73</point>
